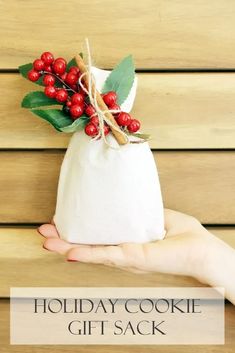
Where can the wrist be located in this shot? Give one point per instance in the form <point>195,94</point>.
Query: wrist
<point>202,264</point>
<point>219,266</point>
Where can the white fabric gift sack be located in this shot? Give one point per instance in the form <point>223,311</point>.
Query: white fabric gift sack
<point>106,195</point>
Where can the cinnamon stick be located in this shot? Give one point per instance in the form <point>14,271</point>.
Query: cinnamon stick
<point>121,139</point>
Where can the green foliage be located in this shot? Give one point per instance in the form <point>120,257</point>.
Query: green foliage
<point>55,117</point>
<point>144,137</point>
<point>71,63</point>
<point>37,99</point>
<point>77,125</point>
<point>121,79</point>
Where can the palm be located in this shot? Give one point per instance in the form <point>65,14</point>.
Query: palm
<point>185,237</point>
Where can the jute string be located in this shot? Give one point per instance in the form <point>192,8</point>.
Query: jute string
<point>93,101</point>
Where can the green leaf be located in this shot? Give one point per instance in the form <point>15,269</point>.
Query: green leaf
<point>77,125</point>
<point>55,117</point>
<point>73,62</point>
<point>144,137</point>
<point>24,69</point>
<point>37,99</point>
<point>121,79</point>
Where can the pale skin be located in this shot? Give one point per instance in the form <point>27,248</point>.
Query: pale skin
<point>187,249</point>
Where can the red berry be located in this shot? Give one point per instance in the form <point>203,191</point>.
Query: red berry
<point>91,130</point>
<point>49,80</point>
<point>68,103</point>
<point>76,111</point>
<point>134,125</point>
<point>106,129</point>
<point>47,57</point>
<point>61,59</point>
<point>74,70</point>
<point>77,98</point>
<point>94,120</point>
<point>71,78</point>
<point>50,91</point>
<point>74,87</point>
<point>48,68</point>
<point>59,67</point>
<point>63,76</point>
<point>90,110</point>
<point>33,75</point>
<point>123,119</point>
<point>61,95</point>
<point>38,65</point>
<point>110,98</point>
<point>115,107</point>
<point>83,93</point>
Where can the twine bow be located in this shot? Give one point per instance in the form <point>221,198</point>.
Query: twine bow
<point>92,94</point>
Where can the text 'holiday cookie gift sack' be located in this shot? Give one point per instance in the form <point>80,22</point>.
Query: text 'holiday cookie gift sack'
<point>109,191</point>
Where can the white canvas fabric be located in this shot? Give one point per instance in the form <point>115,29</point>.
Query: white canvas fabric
<point>109,196</point>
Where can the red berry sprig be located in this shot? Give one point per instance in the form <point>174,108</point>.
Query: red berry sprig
<point>75,100</point>
<point>123,119</point>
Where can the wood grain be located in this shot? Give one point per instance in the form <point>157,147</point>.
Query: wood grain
<point>160,34</point>
<point>197,183</point>
<point>228,347</point>
<point>21,253</point>
<point>178,110</point>
<point>23,262</point>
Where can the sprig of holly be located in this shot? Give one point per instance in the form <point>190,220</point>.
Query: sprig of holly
<point>62,88</point>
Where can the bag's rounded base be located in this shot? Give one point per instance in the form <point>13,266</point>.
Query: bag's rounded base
<point>108,196</point>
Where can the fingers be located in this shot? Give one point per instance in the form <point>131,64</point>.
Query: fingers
<point>48,231</point>
<point>107,255</point>
<point>127,256</point>
<point>53,241</point>
<point>57,245</point>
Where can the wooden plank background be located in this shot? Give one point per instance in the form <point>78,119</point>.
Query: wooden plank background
<point>198,183</point>
<point>21,253</point>
<point>179,110</point>
<point>184,53</point>
<point>159,33</point>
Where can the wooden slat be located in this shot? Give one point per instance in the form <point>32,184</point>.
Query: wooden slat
<point>23,262</point>
<point>178,110</point>
<point>160,34</point>
<point>21,253</point>
<point>228,347</point>
<point>198,183</point>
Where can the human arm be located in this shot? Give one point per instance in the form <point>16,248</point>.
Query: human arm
<point>187,249</point>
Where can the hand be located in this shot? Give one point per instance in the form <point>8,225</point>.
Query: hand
<point>187,249</point>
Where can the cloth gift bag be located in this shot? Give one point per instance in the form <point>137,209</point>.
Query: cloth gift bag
<point>109,195</point>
